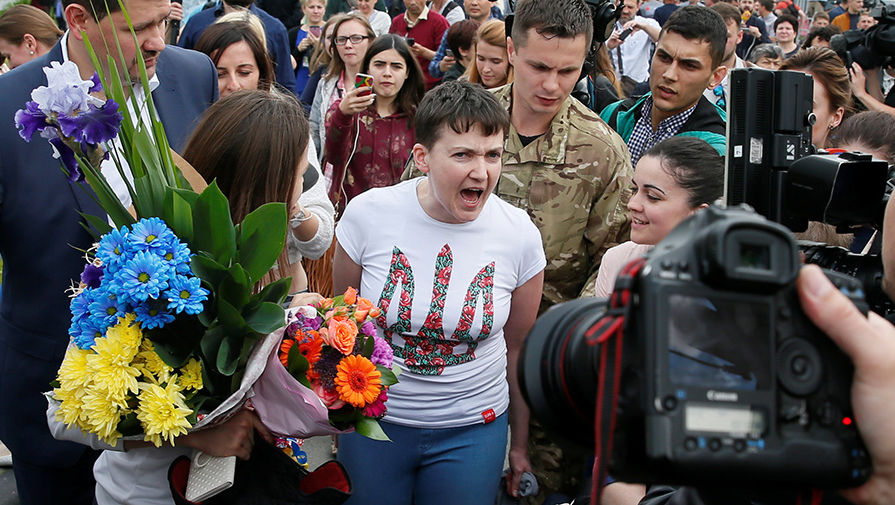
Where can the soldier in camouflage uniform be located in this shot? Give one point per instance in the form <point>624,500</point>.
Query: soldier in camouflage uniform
<point>572,173</point>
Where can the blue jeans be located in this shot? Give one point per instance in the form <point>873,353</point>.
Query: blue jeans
<point>448,466</point>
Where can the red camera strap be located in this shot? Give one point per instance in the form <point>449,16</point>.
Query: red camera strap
<point>601,333</point>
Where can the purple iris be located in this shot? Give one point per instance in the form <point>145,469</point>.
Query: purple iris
<point>97,84</point>
<point>30,120</point>
<point>97,124</point>
<point>67,157</point>
<point>92,275</point>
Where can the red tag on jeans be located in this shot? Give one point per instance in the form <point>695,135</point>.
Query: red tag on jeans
<point>489,416</point>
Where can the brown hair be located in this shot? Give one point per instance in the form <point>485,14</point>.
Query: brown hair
<point>321,58</point>
<point>22,19</point>
<point>492,32</point>
<point>826,67</point>
<point>728,12</point>
<point>336,65</point>
<point>252,163</point>
<point>604,68</point>
<point>414,86</point>
<point>219,36</point>
<point>873,130</point>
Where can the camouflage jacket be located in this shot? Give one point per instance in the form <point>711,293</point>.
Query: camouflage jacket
<point>574,181</point>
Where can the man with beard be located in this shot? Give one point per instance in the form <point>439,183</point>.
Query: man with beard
<point>40,229</point>
<point>687,61</point>
<point>274,32</point>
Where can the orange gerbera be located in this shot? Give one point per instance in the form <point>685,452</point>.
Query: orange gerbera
<point>284,351</point>
<point>311,348</point>
<point>357,381</point>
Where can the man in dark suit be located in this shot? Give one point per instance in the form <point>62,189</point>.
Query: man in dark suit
<point>41,238</point>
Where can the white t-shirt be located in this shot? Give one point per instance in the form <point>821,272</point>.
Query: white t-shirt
<point>635,51</point>
<point>445,292</point>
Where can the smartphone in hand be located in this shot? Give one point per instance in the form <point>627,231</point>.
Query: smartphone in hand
<point>361,80</point>
<point>623,35</point>
<point>410,41</point>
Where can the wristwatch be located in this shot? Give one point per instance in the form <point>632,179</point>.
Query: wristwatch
<point>297,219</point>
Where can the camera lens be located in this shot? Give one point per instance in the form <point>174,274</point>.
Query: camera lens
<point>559,368</point>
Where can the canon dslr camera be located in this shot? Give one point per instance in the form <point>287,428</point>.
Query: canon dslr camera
<point>724,380</point>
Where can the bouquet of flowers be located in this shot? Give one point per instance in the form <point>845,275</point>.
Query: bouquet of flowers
<point>169,317</point>
<point>340,371</point>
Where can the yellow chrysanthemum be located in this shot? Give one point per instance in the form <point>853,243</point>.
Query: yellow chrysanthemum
<point>162,413</point>
<point>73,373</point>
<point>71,406</point>
<point>191,375</point>
<point>125,337</point>
<point>113,375</point>
<point>151,364</point>
<point>102,415</point>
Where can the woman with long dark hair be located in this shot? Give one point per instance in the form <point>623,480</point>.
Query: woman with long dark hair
<point>239,55</point>
<point>369,133</point>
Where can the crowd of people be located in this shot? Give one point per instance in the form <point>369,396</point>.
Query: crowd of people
<point>435,158</point>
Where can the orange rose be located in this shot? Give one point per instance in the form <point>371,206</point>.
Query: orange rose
<point>350,296</point>
<point>363,307</point>
<point>326,303</point>
<point>342,335</point>
<point>374,312</point>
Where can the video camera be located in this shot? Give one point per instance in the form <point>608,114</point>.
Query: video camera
<point>722,378</point>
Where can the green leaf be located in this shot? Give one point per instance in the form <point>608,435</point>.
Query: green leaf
<point>178,212</point>
<point>276,292</point>
<point>230,317</point>
<point>262,236</point>
<point>208,270</point>
<point>211,344</point>
<point>388,377</point>
<point>236,288</point>
<point>129,425</point>
<point>176,342</point>
<point>98,225</point>
<point>267,318</point>
<point>298,366</point>
<point>213,230</point>
<point>228,355</point>
<point>367,349</point>
<point>370,428</point>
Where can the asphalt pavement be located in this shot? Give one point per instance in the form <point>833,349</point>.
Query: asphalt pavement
<point>318,449</point>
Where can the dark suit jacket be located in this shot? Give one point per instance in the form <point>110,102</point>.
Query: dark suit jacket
<point>40,239</point>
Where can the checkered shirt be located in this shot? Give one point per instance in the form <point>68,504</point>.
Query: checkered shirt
<point>643,137</point>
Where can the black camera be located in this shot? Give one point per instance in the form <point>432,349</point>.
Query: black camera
<point>723,379</point>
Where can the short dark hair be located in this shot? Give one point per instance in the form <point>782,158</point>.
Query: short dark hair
<point>728,12</point>
<point>694,165</point>
<point>819,32</point>
<point>414,86</point>
<point>694,22</point>
<point>99,8</point>
<point>461,35</point>
<point>786,18</point>
<point>565,19</point>
<point>767,4</point>
<point>459,105</point>
<point>219,36</point>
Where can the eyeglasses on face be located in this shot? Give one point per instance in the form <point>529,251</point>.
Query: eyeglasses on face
<point>355,39</point>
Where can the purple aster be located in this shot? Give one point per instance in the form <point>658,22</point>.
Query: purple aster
<point>382,353</point>
<point>92,275</point>
<point>152,315</point>
<point>67,158</point>
<point>95,125</point>
<point>143,276</point>
<point>326,366</point>
<point>186,294</point>
<point>30,120</point>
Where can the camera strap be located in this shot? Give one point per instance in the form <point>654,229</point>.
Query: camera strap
<point>602,333</point>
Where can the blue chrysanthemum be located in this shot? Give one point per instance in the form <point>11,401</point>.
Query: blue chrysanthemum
<point>151,234</point>
<point>152,315</point>
<point>88,332</point>
<point>186,294</point>
<point>107,307</point>
<point>141,277</point>
<point>177,255</point>
<point>80,305</point>
<point>112,249</point>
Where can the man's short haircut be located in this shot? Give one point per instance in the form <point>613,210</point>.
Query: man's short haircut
<point>461,35</point>
<point>695,22</point>
<point>768,5</point>
<point>99,8</point>
<point>820,15</point>
<point>728,12</point>
<point>459,105</point>
<point>565,19</point>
